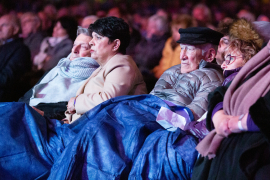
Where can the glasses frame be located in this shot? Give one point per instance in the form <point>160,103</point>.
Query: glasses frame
<point>228,62</point>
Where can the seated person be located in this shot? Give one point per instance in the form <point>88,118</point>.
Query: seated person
<point>117,75</point>
<point>52,49</point>
<point>189,83</point>
<point>239,140</point>
<point>15,59</point>
<point>31,32</point>
<point>171,52</point>
<point>54,90</point>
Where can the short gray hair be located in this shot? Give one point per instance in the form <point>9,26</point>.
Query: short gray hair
<point>84,31</point>
<point>207,46</point>
<point>161,22</point>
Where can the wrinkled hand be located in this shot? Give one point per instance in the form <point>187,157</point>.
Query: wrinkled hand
<point>233,123</point>
<point>220,120</point>
<point>70,106</point>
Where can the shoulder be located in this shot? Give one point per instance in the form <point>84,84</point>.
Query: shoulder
<point>208,75</point>
<point>121,60</point>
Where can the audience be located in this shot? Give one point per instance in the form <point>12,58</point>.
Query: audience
<point>117,75</point>
<point>15,59</point>
<point>186,74</point>
<point>52,49</point>
<point>189,83</point>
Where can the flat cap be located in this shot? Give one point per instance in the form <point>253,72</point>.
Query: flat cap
<point>199,35</point>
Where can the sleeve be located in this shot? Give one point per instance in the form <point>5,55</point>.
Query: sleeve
<point>214,98</point>
<point>260,113</point>
<point>200,101</point>
<point>164,85</point>
<point>118,82</point>
<point>18,63</point>
<point>252,127</point>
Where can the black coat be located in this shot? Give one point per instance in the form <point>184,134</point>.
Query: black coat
<point>240,156</point>
<point>14,63</point>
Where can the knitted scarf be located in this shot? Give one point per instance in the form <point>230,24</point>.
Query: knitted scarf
<point>63,81</point>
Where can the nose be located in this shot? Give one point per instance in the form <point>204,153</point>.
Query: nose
<point>76,49</point>
<point>183,54</point>
<point>91,43</point>
<point>223,65</point>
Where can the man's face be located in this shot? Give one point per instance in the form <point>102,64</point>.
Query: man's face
<point>223,44</point>
<point>190,56</point>
<point>29,25</point>
<point>198,14</point>
<point>81,47</point>
<point>7,29</point>
<point>152,29</point>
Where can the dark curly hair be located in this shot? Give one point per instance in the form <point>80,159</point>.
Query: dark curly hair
<point>70,25</point>
<point>112,28</point>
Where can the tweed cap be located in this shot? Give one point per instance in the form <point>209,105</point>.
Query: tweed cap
<point>199,35</point>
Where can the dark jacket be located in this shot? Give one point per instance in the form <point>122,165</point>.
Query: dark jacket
<point>189,89</point>
<point>15,62</point>
<point>149,52</point>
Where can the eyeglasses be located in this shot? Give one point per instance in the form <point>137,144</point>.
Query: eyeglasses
<point>229,59</point>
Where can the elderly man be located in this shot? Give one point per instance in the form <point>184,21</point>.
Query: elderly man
<point>189,83</point>
<point>88,20</point>
<point>31,32</point>
<point>15,59</point>
<point>51,94</point>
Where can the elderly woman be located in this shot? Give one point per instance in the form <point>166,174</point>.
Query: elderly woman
<point>240,141</point>
<point>117,75</point>
<point>52,49</point>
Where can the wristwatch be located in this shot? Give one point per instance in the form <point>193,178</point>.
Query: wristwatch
<point>240,122</point>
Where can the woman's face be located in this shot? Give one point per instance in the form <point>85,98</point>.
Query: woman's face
<point>233,60</point>
<point>101,48</point>
<point>59,31</point>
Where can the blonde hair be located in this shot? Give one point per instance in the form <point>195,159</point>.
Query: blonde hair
<point>247,48</point>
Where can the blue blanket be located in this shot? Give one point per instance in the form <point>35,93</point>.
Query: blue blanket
<point>118,139</point>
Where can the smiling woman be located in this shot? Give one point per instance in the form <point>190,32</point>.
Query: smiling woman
<point>117,75</point>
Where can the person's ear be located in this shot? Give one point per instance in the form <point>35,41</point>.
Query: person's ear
<point>16,30</point>
<point>210,55</point>
<point>116,44</point>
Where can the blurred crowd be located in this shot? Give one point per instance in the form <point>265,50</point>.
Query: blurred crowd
<point>48,30</point>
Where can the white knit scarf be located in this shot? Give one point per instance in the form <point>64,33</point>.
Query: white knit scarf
<point>63,81</point>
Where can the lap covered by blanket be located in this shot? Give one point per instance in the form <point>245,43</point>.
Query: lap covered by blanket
<point>105,143</point>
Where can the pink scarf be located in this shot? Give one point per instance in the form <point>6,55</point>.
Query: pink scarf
<point>238,100</point>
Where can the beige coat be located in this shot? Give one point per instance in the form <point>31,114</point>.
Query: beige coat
<point>119,76</point>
